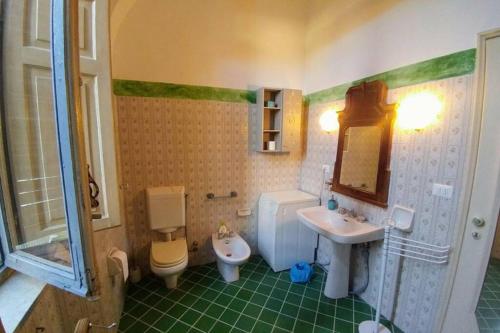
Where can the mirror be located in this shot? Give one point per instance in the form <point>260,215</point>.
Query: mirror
<point>360,158</point>
<point>364,145</point>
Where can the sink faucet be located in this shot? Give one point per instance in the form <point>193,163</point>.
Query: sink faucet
<point>347,212</point>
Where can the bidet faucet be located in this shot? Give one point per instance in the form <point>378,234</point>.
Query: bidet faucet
<point>224,232</point>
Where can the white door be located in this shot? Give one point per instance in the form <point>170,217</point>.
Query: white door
<point>27,53</point>
<point>484,201</point>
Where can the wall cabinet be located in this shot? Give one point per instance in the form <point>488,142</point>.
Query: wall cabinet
<point>278,119</point>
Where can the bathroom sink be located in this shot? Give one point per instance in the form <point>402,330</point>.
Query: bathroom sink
<point>342,231</point>
<point>339,228</point>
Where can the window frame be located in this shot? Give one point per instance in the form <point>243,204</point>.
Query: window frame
<point>80,278</point>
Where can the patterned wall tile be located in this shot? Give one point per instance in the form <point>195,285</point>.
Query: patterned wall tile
<point>419,159</point>
<point>203,145</point>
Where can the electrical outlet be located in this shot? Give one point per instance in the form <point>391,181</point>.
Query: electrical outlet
<point>441,190</point>
<point>325,168</point>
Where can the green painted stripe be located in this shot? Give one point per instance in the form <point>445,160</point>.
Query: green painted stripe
<point>170,90</point>
<point>451,65</point>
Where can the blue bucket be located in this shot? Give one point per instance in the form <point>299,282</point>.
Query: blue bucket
<point>301,272</point>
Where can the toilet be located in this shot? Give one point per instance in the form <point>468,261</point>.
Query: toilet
<point>231,253</point>
<point>166,214</point>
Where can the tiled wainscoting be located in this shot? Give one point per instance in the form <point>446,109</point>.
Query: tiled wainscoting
<point>418,159</point>
<point>203,145</point>
<point>261,301</point>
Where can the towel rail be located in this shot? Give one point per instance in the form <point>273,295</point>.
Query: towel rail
<point>212,196</point>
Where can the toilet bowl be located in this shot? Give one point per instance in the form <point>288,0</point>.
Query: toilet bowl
<point>231,253</point>
<point>168,260</point>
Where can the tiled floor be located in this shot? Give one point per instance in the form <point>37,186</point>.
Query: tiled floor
<point>261,301</point>
<point>488,308</point>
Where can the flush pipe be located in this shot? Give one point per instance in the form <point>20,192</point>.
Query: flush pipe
<point>365,253</point>
<point>322,186</point>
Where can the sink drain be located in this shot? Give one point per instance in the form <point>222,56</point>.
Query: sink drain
<point>228,254</point>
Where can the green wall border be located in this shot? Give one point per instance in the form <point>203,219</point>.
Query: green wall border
<point>183,91</point>
<point>451,65</point>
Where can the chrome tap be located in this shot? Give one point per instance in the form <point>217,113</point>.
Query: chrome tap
<point>224,232</point>
<point>347,212</point>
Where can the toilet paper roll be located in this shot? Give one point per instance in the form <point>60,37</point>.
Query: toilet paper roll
<point>122,258</point>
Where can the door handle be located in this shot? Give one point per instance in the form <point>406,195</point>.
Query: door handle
<point>478,222</point>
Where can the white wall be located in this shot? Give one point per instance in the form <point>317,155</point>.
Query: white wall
<point>349,40</point>
<point>234,44</point>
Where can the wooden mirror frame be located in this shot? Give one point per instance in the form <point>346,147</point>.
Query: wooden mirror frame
<point>366,106</point>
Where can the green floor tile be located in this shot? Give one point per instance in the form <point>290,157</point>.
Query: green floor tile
<point>274,304</point>
<point>342,326</point>
<point>188,300</point>
<point>139,310</point>
<point>303,327</point>
<point>229,316</point>
<point>258,299</point>
<point>214,310</point>
<point>175,295</point>
<point>268,316</point>
<point>344,314</point>
<point>221,327</point>
<point>309,303</point>
<point>205,323</point>
<point>360,317</point>
<point>245,323</point>
<point>324,321</point>
<point>164,323</point>
<point>151,316</point>
<point>261,327</point>
<point>279,330</point>
<point>125,322</point>
<point>177,310</point>
<point>293,299</point>
<point>244,295</point>
<point>210,294</point>
<point>307,315</point>
<point>164,305</point>
<point>190,317</point>
<point>278,293</point>
<point>264,289</point>
<point>320,329</point>
<point>179,327</point>
<point>200,305</point>
<point>237,305</point>
<point>290,310</point>
<point>231,290</point>
<point>285,322</point>
<point>137,327</point>
<point>252,310</point>
<point>261,301</point>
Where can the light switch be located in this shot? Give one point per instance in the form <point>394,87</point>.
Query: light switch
<point>441,190</point>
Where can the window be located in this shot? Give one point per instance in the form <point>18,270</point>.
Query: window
<point>45,229</point>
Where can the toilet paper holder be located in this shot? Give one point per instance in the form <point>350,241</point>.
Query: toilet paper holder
<point>114,264</point>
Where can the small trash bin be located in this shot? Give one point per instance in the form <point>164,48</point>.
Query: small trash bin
<point>301,272</point>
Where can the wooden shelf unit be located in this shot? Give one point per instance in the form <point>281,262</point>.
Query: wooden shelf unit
<point>269,119</point>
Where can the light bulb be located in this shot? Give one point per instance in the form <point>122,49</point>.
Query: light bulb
<point>329,121</point>
<point>417,111</point>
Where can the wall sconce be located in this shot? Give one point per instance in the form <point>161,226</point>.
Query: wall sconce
<point>417,111</point>
<point>329,121</point>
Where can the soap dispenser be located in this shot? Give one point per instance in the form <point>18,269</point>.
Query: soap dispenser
<point>333,204</point>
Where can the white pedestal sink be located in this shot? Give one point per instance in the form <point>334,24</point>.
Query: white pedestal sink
<point>342,231</point>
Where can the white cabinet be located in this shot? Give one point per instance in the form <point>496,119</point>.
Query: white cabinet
<point>282,239</point>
